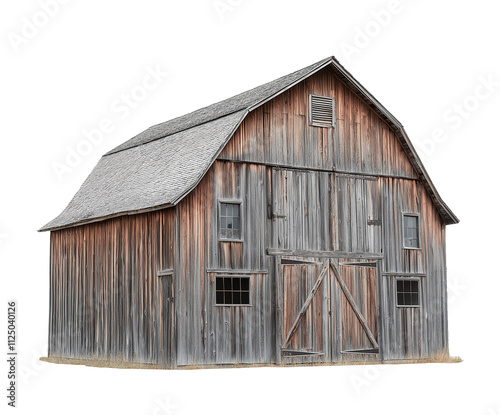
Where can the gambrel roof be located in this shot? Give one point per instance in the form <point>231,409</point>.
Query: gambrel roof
<point>161,165</point>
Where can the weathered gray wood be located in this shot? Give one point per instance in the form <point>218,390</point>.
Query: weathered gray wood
<point>279,308</point>
<point>353,305</point>
<point>237,271</point>
<point>306,304</point>
<point>324,254</point>
<point>403,274</point>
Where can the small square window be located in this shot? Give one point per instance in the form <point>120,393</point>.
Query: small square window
<point>407,293</point>
<point>230,221</point>
<point>411,231</point>
<point>232,290</point>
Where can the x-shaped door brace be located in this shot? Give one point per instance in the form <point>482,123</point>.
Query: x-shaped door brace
<point>330,263</point>
<point>353,305</point>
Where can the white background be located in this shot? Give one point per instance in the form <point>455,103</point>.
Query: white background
<point>425,62</point>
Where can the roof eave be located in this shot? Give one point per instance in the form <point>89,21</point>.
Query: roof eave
<point>448,216</point>
<point>47,227</point>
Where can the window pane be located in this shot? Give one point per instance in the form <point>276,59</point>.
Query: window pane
<point>236,298</point>
<point>236,223</point>
<point>400,299</point>
<point>227,283</point>
<point>407,221</point>
<point>414,286</point>
<point>407,299</point>
<point>229,209</point>
<point>245,298</point>
<point>223,223</point>
<point>236,210</point>
<point>245,284</point>
<point>236,283</point>
<point>228,297</point>
<point>411,221</point>
<point>223,209</point>
<point>407,286</point>
<point>219,297</point>
<point>219,283</point>
<point>400,286</point>
<point>414,297</point>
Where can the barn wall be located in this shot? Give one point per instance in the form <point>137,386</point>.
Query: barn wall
<point>217,335</point>
<point>278,133</point>
<point>104,290</point>
<point>302,202</point>
<point>422,331</point>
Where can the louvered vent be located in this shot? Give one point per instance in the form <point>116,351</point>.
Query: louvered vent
<point>321,111</point>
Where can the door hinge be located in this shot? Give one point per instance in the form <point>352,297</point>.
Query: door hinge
<point>273,216</point>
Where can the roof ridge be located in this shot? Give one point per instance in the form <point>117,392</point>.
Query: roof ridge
<point>228,106</point>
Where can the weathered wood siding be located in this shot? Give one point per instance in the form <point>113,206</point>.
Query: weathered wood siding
<point>362,284</point>
<point>420,331</point>
<point>302,202</point>
<point>105,296</point>
<point>314,332</point>
<point>278,133</point>
<point>357,223</point>
<point>208,334</point>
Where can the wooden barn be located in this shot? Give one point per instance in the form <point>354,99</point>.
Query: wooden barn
<point>293,223</point>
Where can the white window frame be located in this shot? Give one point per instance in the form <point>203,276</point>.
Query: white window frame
<point>249,277</point>
<point>419,235</point>
<point>419,280</point>
<point>242,219</point>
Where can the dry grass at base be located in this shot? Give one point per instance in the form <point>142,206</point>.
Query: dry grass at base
<point>438,358</point>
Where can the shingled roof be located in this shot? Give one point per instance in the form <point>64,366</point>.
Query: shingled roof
<point>161,165</point>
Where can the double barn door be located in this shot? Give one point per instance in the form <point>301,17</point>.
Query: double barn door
<point>325,309</point>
